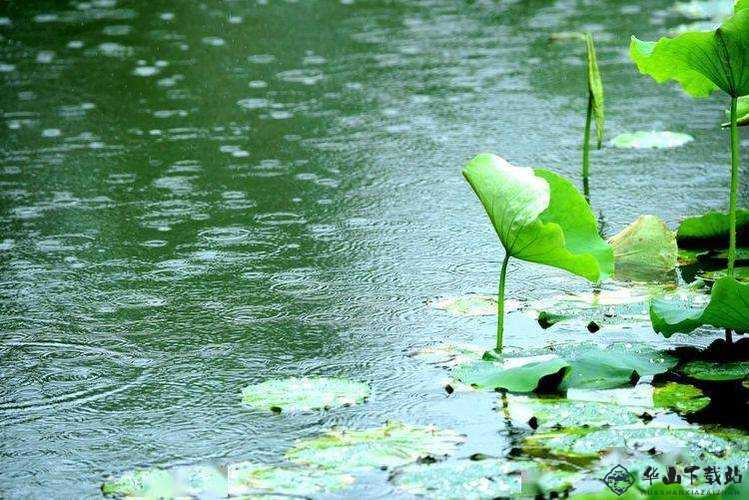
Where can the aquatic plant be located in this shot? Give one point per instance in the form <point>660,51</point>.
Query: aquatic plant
<point>539,217</point>
<point>703,62</point>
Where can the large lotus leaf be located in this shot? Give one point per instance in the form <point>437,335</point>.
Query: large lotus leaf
<point>610,366</point>
<point>393,445</point>
<point>716,372</point>
<point>728,308</point>
<point>541,374</point>
<point>683,398</point>
<point>645,248</point>
<point>304,394</point>
<point>247,478</point>
<point>540,217</point>
<point>595,87</point>
<point>701,62</point>
<point>180,482</point>
<point>460,479</point>
<point>711,230</point>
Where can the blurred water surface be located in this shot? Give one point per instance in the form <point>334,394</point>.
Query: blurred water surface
<point>200,195</point>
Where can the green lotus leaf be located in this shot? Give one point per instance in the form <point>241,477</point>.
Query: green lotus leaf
<point>393,445</point>
<point>615,365</point>
<point>645,248</point>
<point>474,304</point>
<point>247,478</point>
<point>716,372</point>
<point>561,412</point>
<point>728,308</point>
<point>540,374</point>
<point>701,62</point>
<point>540,217</point>
<point>595,87</point>
<point>711,230</point>
<point>180,482</point>
<point>650,140</point>
<point>680,397</point>
<point>460,479</point>
<point>304,394</point>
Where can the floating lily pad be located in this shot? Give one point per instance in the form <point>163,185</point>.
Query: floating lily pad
<point>603,307</point>
<point>474,305</point>
<point>651,140</point>
<point>728,308</point>
<point>393,445</point>
<point>449,354</point>
<point>704,370</point>
<point>541,374</point>
<point>544,413</point>
<point>180,482</point>
<point>247,478</point>
<point>711,230</point>
<point>680,397</point>
<point>460,479</point>
<point>644,249</point>
<point>609,366</point>
<point>304,394</point>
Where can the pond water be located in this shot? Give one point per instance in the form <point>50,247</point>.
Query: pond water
<point>198,196</point>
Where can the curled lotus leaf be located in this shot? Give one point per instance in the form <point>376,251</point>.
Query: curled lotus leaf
<point>651,140</point>
<point>728,308</point>
<point>644,249</point>
<point>701,62</point>
<point>304,394</point>
<point>711,230</point>
<point>540,217</point>
<point>393,445</point>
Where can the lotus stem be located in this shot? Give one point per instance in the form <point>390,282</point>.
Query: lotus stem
<point>734,186</point>
<point>586,149</point>
<point>501,303</point>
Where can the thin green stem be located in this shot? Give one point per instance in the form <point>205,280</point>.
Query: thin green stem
<point>734,186</point>
<point>501,304</point>
<point>586,148</point>
<point>734,196</point>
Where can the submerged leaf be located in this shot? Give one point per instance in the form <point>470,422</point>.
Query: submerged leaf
<point>595,87</point>
<point>558,412</point>
<point>247,478</point>
<point>680,397</point>
<point>701,62</point>
<point>644,248</point>
<point>540,217</point>
<point>180,482</point>
<point>461,479</point>
<point>728,308</point>
<point>648,140</point>
<point>711,230</point>
<point>541,374</point>
<point>304,394</point>
<point>716,372</point>
<point>393,445</point>
<point>740,274</point>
